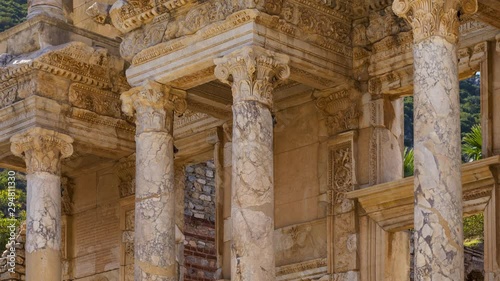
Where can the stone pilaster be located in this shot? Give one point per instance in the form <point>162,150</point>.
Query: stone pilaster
<point>43,150</point>
<point>255,72</point>
<point>438,187</point>
<point>154,241</point>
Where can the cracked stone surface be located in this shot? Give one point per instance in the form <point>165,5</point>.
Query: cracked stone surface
<point>438,189</point>
<point>252,192</point>
<point>154,209</point>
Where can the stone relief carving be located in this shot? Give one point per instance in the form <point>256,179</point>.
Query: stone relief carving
<point>252,73</point>
<point>66,196</point>
<point>340,171</point>
<point>152,104</point>
<point>384,23</point>
<point>430,18</point>
<point>99,12</point>
<point>99,101</point>
<point>42,149</point>
<point>126,173</point>
<point>309,20</point>
<point>341,111</point>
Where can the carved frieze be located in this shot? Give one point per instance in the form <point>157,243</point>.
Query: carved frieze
<point>340,171</point>
<point>341,110</point>
<point>99,101</point>
<point>434,18</point>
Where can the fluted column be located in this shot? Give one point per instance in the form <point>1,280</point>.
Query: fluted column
<point>438,187</point>
<point>154,105</point>
<point>43,150</point>
<point>252,73</point>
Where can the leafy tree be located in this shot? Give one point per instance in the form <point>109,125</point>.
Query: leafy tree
<point>408,122</point>
<point>408,166</point>
<point>472,144</point>
<point>12,12</point>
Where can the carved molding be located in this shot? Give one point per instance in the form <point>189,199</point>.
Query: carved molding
<point>434,18</point>
<point>153,104</point>
<point>42,149</point>
<point>340,108</point>
<point>252,73</point>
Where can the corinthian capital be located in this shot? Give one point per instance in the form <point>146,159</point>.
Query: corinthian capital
<point>434,17</point>
<point>153,105</point>
<point>253,73</point>
<point>42,149</point>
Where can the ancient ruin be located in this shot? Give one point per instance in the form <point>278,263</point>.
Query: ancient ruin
<point>186,140</point>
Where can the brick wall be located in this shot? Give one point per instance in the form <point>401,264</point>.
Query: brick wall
<point>199,223</point>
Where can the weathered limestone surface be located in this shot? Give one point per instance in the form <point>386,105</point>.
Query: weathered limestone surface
<point>438,188</point>
<point>254,72</point>
<point>43,150</point>
<point>51,8</point>
<point>154,243</point>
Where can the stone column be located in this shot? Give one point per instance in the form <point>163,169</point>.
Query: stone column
<point>438,187</point>
<point>51,8</point>
<point>255,72</point>
<point>154,241</point>
<point>43,150</point>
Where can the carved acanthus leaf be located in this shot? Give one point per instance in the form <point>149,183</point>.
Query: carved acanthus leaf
<point>253,73</point>
<point>42,149</point>
<point>153,104</point>
<point>434,18</point>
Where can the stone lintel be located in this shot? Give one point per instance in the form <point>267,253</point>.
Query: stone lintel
<point>179,64</point>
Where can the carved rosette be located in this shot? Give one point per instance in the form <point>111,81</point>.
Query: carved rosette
<point>434,18</point>
<point>253,73</point>
<point>42,149</point>
<point>153,104</point>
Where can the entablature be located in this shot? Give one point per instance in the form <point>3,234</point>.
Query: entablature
<point>391,204</point>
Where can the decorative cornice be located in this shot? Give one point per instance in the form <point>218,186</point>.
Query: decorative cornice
<point>153,104</point>
<point>42,149</point>
<point>434,18</point>
<point>252,73</point>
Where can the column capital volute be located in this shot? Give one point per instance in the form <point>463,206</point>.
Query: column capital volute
<point>153,105</point>
<point>434,17</point>
<point>252,72</point>
<point>42,149</point>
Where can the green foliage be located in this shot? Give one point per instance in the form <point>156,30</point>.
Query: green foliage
<point>474,228</point>
<point>12,12</point>
<point>19,205</point>
<point>408,166</point>
<point>408,122</point>
<point>472,144</point>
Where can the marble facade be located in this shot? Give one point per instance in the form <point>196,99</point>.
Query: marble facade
<point>298,103</point>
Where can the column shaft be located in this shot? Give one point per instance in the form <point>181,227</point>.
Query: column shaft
<point>51,8</point>
<point>154,239</point>
<point>43,227</point>
<point>438,187</point>
<point>254,72</point>
<point>252,208</point>
<point>43,150</point>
